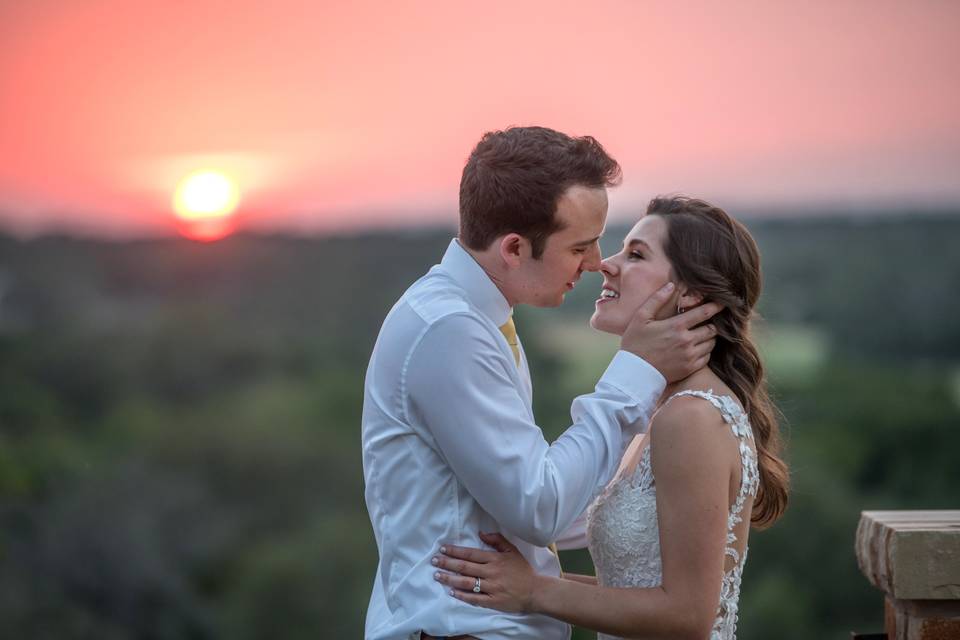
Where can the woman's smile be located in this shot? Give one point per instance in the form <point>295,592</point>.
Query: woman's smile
<point>607,294</point>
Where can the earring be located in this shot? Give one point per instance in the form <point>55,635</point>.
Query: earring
<point>679,310</point>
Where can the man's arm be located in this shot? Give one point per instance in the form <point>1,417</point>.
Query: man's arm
<point>575,536</point>
<point>459,388</point>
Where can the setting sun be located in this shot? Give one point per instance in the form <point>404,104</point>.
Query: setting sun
<point>204,202</point>
<point>205,194</point>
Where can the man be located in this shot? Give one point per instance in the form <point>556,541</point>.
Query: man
<point>450,446</point>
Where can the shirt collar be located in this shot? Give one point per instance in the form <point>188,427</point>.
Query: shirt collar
<point>481,290</point>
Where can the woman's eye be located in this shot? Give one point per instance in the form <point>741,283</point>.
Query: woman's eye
<point>636,255</point>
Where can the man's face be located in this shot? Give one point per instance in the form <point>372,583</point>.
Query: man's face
<point>569,252</point>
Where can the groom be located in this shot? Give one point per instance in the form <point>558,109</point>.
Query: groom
<point>450,445</point>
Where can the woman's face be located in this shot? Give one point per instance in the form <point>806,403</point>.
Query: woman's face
<point>631,276</point>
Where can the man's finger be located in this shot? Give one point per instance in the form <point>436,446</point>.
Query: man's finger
<point>701,363</point>
<point>655,302</point>
<point>702,334</point>
<point>698,315</point>
<point>704,349</point>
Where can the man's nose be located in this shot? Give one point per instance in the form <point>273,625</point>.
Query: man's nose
<point>593,260</point>
<point>609,266</point>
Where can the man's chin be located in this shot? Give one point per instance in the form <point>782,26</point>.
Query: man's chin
<point>548,303</point>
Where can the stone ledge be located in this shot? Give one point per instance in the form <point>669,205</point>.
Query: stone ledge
<point>911,555</point>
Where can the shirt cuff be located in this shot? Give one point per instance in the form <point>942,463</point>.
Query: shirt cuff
<point>634,376</point>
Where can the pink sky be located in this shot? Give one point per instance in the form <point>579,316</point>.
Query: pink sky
<point>338,114</point>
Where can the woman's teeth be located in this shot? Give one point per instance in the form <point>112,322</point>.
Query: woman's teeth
<point>607,293</point>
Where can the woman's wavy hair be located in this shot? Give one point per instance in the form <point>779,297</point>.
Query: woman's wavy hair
<point>715,256</point>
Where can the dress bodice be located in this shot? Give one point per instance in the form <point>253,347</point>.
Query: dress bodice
<point>623,533</point>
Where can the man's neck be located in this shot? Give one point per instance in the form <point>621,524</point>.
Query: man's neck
<point>492,266</point>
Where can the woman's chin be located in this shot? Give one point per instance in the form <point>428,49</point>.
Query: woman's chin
<point>598,322</point>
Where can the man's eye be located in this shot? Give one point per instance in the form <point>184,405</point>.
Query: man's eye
<point>579,250</point>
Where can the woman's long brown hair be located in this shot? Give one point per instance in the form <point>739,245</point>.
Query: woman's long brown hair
<point>715,256</point>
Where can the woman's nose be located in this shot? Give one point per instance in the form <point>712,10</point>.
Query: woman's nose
<point>609,266</point>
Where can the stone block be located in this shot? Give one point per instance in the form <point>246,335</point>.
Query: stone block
<point>922,619</point>
<point>911,555</point>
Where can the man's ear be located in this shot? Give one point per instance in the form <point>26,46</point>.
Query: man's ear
<point>513,249</point>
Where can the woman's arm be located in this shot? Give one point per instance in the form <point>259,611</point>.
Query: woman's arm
<point>692,461</point>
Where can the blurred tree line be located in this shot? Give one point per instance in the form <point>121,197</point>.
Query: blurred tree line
<point>179,423</point>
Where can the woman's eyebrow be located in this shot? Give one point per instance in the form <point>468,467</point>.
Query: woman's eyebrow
<point>637,241</point>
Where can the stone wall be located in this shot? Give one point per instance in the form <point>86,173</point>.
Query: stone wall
<point>914,558</point>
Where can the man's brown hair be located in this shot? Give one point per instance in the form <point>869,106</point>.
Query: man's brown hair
<point>514,178</point>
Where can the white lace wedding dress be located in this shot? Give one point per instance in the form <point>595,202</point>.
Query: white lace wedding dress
<point>622,530</point>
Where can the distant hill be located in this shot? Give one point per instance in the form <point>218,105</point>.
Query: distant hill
<point>883,285</point>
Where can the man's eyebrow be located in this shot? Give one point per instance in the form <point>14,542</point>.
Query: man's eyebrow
<point>585,243</point>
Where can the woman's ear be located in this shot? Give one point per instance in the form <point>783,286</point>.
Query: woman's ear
<point>689,299</point>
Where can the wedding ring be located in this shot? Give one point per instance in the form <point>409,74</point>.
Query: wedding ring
<point>476,587</point>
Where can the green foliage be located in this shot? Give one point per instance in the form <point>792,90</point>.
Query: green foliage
<point>179,423</point>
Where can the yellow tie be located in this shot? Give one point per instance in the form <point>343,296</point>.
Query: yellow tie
<point>509,331</point>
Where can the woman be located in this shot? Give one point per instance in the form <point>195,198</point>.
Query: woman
<point>668,536</point>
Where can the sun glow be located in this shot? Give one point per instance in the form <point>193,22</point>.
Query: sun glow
<point>205,194</point>
<point>204,202</point>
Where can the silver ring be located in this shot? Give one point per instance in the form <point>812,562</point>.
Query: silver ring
<point>476,587</point>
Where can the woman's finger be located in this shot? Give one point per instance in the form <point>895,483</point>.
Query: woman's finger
<point>498,542</point>
<point>467,553</point>
<point>461,588</point>
<point>460,566</point>
<point>463,583</point>
<point>476,599</point>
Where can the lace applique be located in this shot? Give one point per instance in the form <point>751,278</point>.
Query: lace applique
<point>623,533</point>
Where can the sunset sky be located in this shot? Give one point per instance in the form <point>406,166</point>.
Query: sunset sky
<point>331,115</point>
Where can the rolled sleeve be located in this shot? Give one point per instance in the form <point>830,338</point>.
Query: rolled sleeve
<point>636,378</point>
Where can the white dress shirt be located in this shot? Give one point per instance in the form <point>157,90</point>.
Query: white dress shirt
<point>450,449</point>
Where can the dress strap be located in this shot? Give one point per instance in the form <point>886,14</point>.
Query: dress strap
<point>729,409</point>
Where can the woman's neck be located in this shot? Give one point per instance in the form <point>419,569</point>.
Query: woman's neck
<point>701,380</point>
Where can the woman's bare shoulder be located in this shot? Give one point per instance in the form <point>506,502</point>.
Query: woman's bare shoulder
<point>687,427</point>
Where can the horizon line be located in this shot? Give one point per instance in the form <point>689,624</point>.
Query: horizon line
<point>791,213</point>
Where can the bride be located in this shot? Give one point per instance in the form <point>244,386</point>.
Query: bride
<point>668,535</point>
